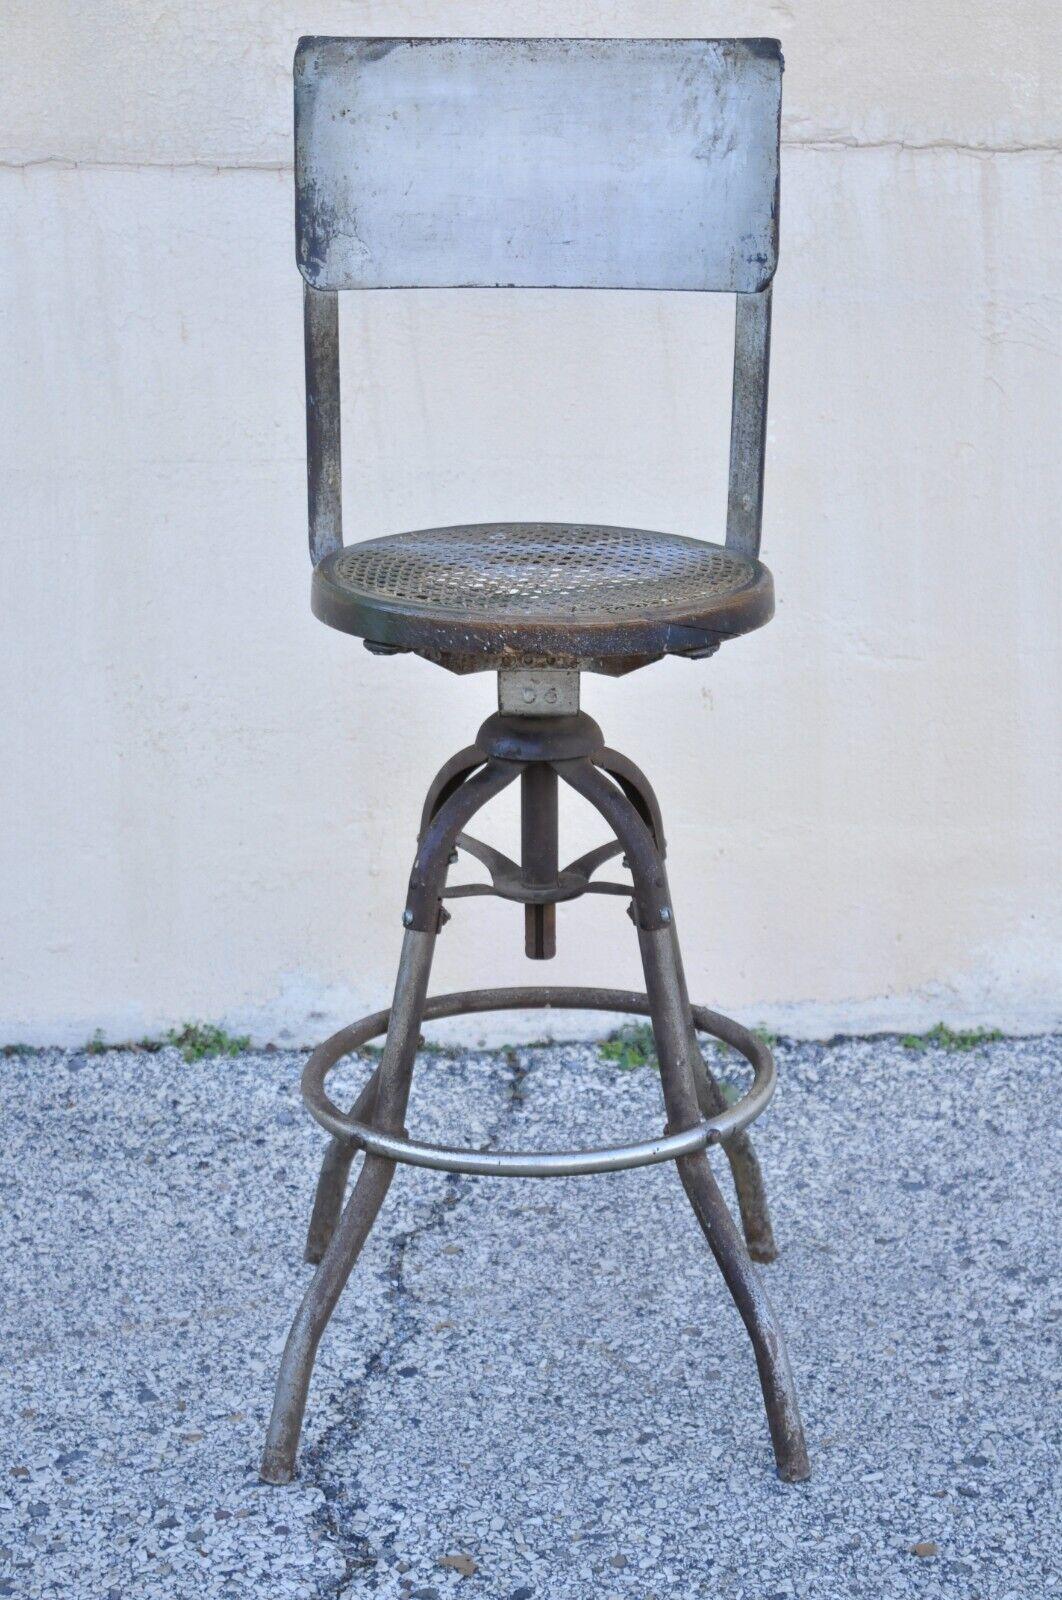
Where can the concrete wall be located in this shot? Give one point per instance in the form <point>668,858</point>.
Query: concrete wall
<point>210,799</point>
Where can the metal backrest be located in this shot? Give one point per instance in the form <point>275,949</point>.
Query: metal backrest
<point>550,163</point>
<point>567,163</point>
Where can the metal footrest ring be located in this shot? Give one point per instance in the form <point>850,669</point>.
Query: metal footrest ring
<point>542,1164</point>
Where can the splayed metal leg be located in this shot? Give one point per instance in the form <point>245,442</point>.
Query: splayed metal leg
<point>757,1313</point>
<point>676,1046</point>
<point>359,1214</point>
<point>388,1094</point>
<point>744,1169</point>
<point>744,1165</point>
<point>332,1184</point>
<point>678,1053</point>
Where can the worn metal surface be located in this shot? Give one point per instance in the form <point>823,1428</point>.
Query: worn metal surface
<point>508,738</point>
<point>744,1169</point>
<point>748,422</point>
<point>540,571</point>
<point>638,789</point>
<point>622,163</point>
<point>324,475</point>
<point>651,895</point>
<point>332,1183</point>
<point>666,988</point>
<point>449,777</point>
<point>522,594</point>
<point>508,882</point>
<point>543,749</point>
<point>391,1095</point>
<point>723,1125</point>
<point>424,898</point>
<point>546,692</point>
<point>539,860</point>
<point>569,163</point>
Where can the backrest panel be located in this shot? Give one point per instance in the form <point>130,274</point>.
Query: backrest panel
<point>567,163</point>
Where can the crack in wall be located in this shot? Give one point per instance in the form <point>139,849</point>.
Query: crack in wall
<point>827,143</point>
<point>342,1496</point>
<point>843,142</point>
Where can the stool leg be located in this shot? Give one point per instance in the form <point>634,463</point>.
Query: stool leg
<point>390,1088</point>
<point>638,789</point>
<point>672,1029</point>
<point>761,1322</point>
<point>677,1048</point>
<point>449,778</point>
<point>328,1198</point>
<point>332,1184</point>
<point>452,793</point>
<point>752,1200</point>
<point>744,1168</point>
<point>355,1224</point>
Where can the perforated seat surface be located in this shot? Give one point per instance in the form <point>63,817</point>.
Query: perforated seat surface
<point>542,591</point>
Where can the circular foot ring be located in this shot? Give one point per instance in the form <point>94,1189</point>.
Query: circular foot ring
<point>537,1164</point>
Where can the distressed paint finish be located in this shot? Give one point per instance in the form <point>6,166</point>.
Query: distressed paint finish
<point>624,163</point>
<point>324,466</point>
<point>565,595</point>
<point>355,1131</point>
<point>535,747</point>
<point>748,422</point>
<point>569,163</point>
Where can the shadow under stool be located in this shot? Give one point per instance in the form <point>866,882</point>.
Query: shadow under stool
<point>512,163</point>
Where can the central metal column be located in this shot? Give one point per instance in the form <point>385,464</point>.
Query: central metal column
<point>539,859</point>
<point>539,692</point>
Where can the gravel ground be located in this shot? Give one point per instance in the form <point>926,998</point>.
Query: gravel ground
<point>546,1379</point>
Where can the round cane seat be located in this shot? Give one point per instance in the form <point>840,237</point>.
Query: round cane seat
<point>541,593</point>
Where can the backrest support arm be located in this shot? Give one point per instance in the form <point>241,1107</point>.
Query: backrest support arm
<point>323,457</point>
<point>748,421</point>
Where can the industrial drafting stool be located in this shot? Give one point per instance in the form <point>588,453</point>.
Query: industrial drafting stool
<point>569,163</point>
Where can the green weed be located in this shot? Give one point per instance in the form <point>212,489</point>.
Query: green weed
<point>631,1046</point>
<point>198,1040</point>
<point>944,1038</point>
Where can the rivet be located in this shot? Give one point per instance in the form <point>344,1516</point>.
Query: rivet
<point>665,913</point>
<point>407,919</point>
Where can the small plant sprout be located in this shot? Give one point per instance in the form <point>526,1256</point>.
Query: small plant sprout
<point>198,1040</point>
<point>944,1038</point>
<point>631,1046</point>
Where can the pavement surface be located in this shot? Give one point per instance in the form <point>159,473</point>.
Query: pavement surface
<point>531,1391</point>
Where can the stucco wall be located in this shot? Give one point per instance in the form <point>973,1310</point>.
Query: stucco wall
<point>210,799</point>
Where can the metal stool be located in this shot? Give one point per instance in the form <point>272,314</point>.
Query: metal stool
<point>519,162</point>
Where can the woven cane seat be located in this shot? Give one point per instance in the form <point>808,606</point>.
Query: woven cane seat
<point>540,593</point>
